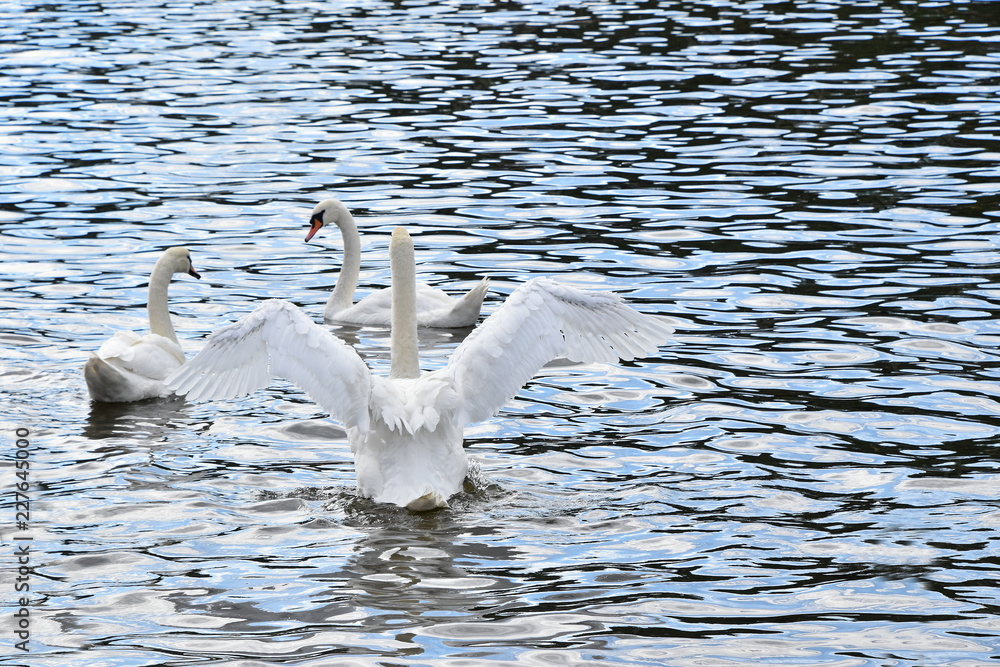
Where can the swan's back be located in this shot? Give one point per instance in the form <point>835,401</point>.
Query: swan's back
<point>412,455</point>
<point>129,367</point>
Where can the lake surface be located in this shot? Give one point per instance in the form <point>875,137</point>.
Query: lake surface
<point>807,474</point>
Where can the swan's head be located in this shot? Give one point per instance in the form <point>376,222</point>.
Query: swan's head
<point>400,243</point>
<point>180,261</point>
<point>330,210</point>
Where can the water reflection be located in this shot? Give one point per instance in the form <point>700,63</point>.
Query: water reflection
<point>151,419</point>
<point>414,568</point>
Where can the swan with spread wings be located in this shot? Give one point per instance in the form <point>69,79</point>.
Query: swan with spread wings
<point>406,430</point>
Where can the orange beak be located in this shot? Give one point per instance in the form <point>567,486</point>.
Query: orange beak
<point>314,224</point>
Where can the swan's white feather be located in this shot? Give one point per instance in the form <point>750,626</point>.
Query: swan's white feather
<point>149,355</point>
<point>131,367</point>
<point>279,340</point>
<point>542,320</point>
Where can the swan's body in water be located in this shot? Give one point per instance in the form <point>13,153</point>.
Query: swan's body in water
<point>434,307</point>
<point>406,430</point>
<point>131,366</point>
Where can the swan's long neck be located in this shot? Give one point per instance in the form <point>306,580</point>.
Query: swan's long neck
<point>156,303</point>
<point>404,355</point>
<point>347,281</point>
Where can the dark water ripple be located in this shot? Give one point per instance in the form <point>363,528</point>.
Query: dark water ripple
<point>806,475</point>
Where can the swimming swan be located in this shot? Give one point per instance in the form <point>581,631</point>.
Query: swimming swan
<point>406,430</point>
<point>130,366</point>
<point>434,307</point>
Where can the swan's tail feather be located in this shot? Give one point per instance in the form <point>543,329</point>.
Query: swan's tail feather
<point>109,383</point>
<point>102,378</point>
<point>427,502</point>
<point>464,312</point>
<point>473,299</point>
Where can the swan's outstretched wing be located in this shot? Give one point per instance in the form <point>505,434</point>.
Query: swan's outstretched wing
<point>539,321</point>
<point>279,340</point>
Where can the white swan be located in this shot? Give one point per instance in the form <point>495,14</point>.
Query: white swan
<point>130,366</point>
<point>434,307</point>
<point>406,430</point>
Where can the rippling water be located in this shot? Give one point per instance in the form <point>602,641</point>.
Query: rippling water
<point>808,473</point>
